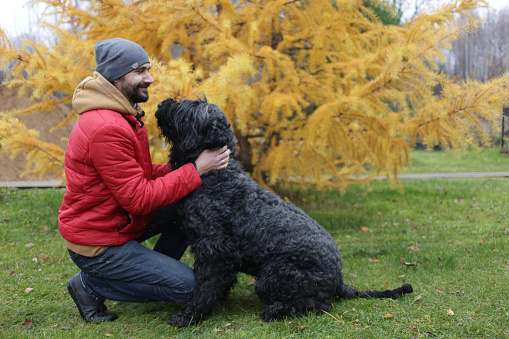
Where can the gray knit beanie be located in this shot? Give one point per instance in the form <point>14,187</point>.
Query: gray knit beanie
<point>116,57</point>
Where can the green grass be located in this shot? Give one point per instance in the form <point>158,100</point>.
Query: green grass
<point>487,160</point>
<point>459,226</point>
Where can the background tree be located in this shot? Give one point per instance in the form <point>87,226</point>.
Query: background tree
<point>413,8</point>
<point>316,91</point>
<point>484,53</point>
<point>388,13</point>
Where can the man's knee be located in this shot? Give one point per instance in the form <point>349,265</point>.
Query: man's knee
<point>184,290</point>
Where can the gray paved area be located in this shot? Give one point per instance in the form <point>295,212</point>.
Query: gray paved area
<point>32,184</point>
<point>58,183</point>
<point>450,175</point>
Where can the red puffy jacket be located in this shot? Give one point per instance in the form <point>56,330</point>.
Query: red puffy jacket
<point>112,186</point>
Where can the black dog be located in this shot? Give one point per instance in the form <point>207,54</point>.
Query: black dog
<point>234,225</point>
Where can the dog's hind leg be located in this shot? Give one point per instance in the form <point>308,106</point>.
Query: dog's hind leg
<point>214,280</point>
<point>288,291</point>
<point>295,307</point>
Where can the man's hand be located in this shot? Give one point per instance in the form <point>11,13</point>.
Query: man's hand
<point>212,160</point>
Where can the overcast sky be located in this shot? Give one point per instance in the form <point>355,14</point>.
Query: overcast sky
<point>17,18</point>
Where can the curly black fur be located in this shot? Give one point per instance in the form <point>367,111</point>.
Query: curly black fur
<point>234,225</point>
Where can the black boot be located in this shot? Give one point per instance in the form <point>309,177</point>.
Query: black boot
<point>90,308</point>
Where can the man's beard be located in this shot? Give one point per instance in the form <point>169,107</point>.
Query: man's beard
<point>135,95</point>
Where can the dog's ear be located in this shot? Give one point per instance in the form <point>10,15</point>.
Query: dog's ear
<point>220,132</point>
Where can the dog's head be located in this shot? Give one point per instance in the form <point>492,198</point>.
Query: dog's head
<point>192,126</point>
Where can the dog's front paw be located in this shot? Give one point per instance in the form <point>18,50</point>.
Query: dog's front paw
<point>273,312</point>
<point>182,320</point>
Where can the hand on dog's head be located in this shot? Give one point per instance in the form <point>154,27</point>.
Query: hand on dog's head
<point>192,126</point>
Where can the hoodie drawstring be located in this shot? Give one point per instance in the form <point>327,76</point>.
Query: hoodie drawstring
<point>140,122</point>
<point>139,116</point>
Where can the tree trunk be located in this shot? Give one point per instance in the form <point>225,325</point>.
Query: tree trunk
<point>244,154</point>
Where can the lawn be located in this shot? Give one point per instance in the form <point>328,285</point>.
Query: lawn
<point>447,237</point>
<point>487,160</point>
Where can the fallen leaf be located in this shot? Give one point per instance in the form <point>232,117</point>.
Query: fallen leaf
<point>353,276</point>
<point>413,328</point>
<point>302,328</point>
<point>386,284</point>
<point>29,245</point>
<point>388,316</point>
<point>108,334</point>
<point>419,297</point>
<point>402,276</point>
<point>27,324</point>
<point>410,263</point>
<point>450,312</point>
<point>365,229</point>
<point>29,289</point>
<point>374,260</point>
<point>251,282</point>
<point>413,248</point>
<point>460,292</point>
<point>483,241</point>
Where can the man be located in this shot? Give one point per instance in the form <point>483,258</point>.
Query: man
<point>116,198</point>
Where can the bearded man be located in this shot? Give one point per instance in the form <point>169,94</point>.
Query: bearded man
<point>116,198</point>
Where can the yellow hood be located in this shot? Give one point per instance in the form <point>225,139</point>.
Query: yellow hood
<point>95,92</point>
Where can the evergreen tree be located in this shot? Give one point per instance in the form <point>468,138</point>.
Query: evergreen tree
<point>316,91</point>
<point>387,13</point>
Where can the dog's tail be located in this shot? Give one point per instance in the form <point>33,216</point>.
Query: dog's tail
<point>348,292</point>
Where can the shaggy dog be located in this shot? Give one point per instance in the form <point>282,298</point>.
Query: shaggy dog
<point>234,225</point>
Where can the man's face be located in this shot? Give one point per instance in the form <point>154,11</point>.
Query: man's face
<point>134,85</point>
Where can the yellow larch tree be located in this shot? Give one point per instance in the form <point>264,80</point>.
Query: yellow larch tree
<point>316,91</point>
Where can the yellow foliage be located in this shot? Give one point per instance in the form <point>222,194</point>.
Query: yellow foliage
<point>316,91</point>
<point>42,158</point>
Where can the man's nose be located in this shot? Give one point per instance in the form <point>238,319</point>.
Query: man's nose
<point>148,78</point>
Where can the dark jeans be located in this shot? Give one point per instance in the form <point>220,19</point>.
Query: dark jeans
<point>134,273</point>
